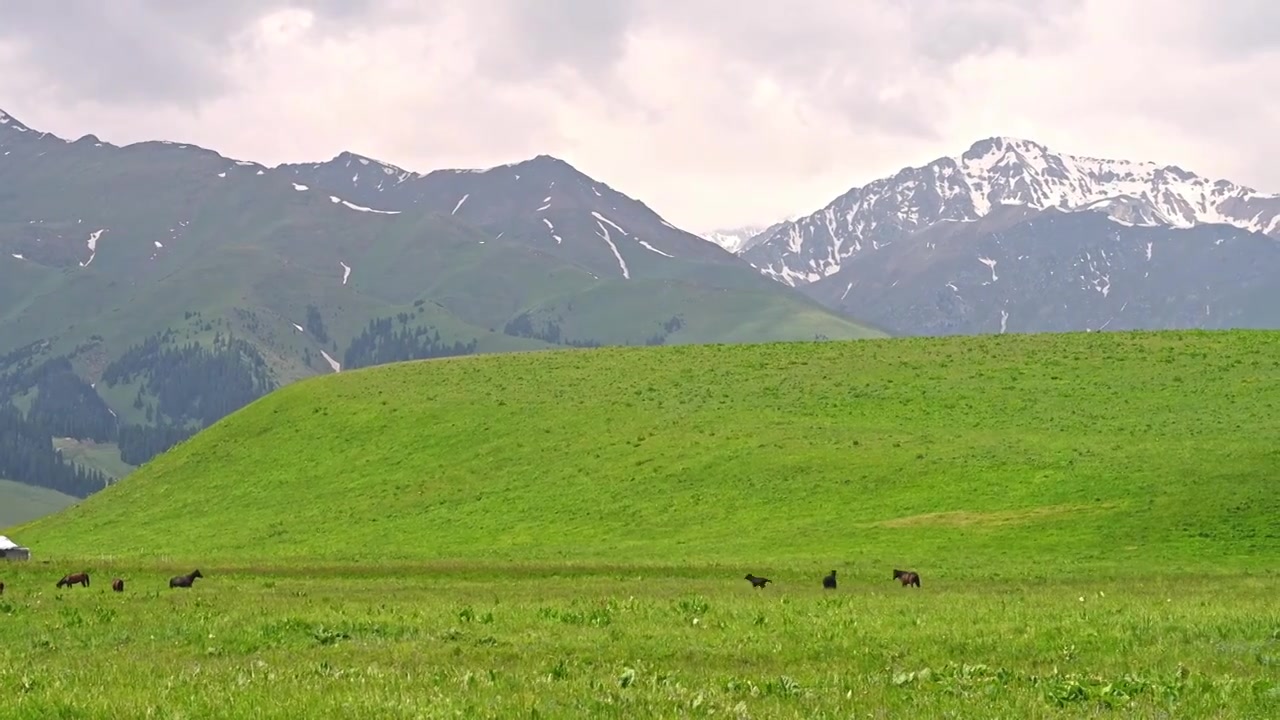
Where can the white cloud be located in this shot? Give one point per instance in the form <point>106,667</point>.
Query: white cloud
<point>714,112</point>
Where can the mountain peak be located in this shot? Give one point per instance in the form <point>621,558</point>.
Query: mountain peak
<point>545,158</point>
<point>347,158</point>
<point>996,151</point>
<point>548,163</point>
<point>9,121</point>
<point>541,163</point>
<point>1002,143</point>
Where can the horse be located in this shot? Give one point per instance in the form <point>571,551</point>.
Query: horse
<point>906,577</point>
<point>80,578</point>
<point>1,588</point>
<point>758,582</point>
<point>829,582</point>
<point>185,581</point>
<point>117,585</point>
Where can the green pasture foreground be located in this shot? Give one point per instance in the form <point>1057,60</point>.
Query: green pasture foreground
<point>619,642</point>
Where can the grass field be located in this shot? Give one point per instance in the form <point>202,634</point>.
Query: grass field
<point>565,535</point>
<point>20,503</point>
<point>522,641</point>
<point>98,456</point>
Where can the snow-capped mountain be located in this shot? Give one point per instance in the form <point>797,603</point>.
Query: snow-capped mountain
<point>999,172</point>
<point>1012,237</point>
<point>735,240</point>
<point>743,238</point>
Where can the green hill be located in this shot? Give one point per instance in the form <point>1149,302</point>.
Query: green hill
<point>20,503</point>
<point>960,456</point>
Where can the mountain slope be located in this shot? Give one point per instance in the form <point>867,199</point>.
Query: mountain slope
<point>20,503</point>
<point>943,450</point>
<point>923,228</point>
<point>1062,272</point>
<point>147,290</point>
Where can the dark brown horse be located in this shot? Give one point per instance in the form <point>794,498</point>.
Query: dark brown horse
<point>1,588</point>
<point>906,577</point>
<point>829,582</point>
<point>185,581</point>
<point>80,578</point>
<point>117,585</point>
<point>758,582</point>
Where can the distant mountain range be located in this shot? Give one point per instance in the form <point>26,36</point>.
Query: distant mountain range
<point>148,290</point>
<point>1012,237</point>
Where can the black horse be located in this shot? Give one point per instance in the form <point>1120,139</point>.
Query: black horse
<point>184,581</point>
<point>829,582</point>
<point>906,577</point>
<point>758,582</point>
<point>80,578</point>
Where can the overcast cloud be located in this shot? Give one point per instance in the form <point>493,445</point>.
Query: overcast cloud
<point>714,112</point>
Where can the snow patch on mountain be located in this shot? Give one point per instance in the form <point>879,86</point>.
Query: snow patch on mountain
<point>93,246</point>
<point>601,218</point>
<point>335,199</point>
<point>604,233</point>
<point>991,264</point>
<point>551,227</point>
<point>647,246</point>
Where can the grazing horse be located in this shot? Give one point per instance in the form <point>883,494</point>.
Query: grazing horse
<point>1,588</point>
<point>185,581</point>
<point>117,585</point>
<point>829,582</point>
<point>906,577</point>
<point>758,582</point>
<point>80,578</point>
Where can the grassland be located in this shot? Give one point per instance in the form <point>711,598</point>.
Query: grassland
<point>970,457</point>
<point>20,503</point>
<point>98,456</point>
<point>620,642</point>
<point>565,534</point>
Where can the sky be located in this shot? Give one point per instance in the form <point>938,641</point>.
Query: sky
<point>716,113</point>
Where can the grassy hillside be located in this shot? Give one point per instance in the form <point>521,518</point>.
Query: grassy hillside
<point>982,456</point>
<point>20,503</point>
<point>99,456</point>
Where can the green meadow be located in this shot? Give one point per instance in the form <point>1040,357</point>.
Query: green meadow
<point>20,503</point>
<point>565,534</point>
